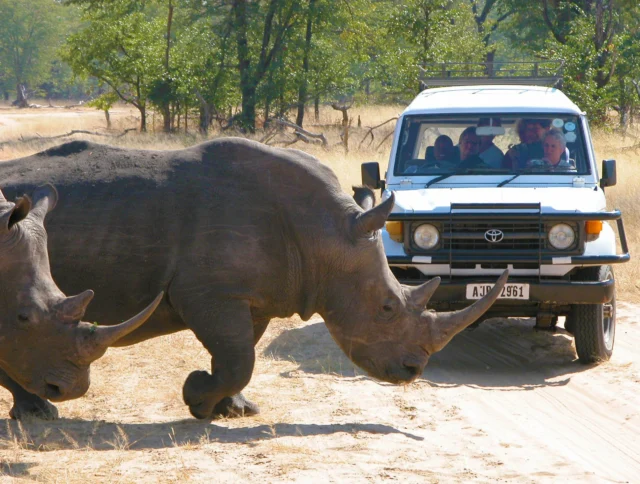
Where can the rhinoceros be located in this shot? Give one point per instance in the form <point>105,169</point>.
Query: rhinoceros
<point>33,307</point>
<point>234,233</point>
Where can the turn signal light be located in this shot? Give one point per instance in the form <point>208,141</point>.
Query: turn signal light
<point>395,230</point>
<point>593,227</point>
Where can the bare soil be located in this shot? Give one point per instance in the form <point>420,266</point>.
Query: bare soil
<point>502,402</point>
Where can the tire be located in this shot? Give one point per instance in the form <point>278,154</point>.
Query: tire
<point>593,325</point>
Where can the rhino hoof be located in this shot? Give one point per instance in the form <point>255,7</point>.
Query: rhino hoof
<point>40,409</point>
<point>235,406</point>
<point>194,393</point>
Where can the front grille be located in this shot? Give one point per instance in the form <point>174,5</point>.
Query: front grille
<point>466,238</point>
<point>470,236</point>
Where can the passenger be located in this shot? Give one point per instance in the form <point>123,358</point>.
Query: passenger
<point>489,152</point>
<point>555,157</point>
<point>443,149</point>
<point>531,133</point>
<point>469,144</point>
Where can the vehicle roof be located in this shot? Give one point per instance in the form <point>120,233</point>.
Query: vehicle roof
<point>489,99</point>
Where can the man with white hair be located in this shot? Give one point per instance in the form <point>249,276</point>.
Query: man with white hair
<point>555,157</point>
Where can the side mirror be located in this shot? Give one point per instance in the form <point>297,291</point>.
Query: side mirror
<point>371,174</point>
<point>608,178</point>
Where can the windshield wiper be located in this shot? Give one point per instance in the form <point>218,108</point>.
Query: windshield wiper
<point>504,182</point>
<point>444,177</point>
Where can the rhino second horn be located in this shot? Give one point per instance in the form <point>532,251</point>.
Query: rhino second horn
<point>105,336</point>
<point>446,325</point>
<point>74,307</point>
<point>374,219</point>
<point>421,295</point>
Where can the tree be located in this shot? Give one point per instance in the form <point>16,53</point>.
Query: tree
<point>29,34</point>
<point>123,46</point>
<point>274,20</point>
<point>422,31</point>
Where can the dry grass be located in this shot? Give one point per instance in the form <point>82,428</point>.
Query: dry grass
<point>322,420</point>
<point>15,124</point>
<point>625,196</point>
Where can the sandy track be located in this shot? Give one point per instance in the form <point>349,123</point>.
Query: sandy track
<point>501,403</point>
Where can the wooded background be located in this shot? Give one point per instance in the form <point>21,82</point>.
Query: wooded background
<point>244,61</point>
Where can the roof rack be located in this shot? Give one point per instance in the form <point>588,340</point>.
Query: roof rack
<point>537,73</point>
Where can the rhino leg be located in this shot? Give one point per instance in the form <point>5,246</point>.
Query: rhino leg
<point>27,405</point>
<point>225,328</point>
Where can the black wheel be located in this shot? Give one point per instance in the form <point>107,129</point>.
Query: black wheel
<point>593,325</point>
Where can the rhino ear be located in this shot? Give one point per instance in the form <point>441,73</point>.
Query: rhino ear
<point>45,199</point>
<point>14,213</point>
<point>373,219</point>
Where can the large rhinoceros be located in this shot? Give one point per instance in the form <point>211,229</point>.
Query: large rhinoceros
<point>39,325</point>
<point>235,233</point>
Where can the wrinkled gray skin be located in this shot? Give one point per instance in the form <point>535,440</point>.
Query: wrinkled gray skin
<point>235,233</point>
<point>32,306</point>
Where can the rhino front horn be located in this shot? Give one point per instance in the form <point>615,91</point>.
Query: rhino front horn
<point>101,337</point>
<point>444,326</point>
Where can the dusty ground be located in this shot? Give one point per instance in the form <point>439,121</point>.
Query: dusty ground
<point>501,403</point>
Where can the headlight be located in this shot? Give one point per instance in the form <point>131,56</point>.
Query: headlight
<point>426,236</point>
<point>562,236</point>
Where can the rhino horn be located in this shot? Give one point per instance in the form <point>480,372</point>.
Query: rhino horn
<point>105,336</point>
<point>444,326</point>
<point>74,307</point>
<point>420,295</point>
<point>373,219</point>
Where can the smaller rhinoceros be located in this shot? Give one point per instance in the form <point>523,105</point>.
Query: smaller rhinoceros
<point>31,303</point>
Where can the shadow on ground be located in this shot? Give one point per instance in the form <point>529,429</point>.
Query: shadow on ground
<point>499,353</point>
<point>69,434</point>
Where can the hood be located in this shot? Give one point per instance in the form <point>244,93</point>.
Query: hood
<point>551,198</point>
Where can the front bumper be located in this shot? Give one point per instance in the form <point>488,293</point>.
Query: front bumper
<point>554,292</point>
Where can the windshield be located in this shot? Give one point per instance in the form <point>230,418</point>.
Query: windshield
<point>491,143</point>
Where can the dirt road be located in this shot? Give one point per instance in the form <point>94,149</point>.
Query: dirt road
<point>501,403</point>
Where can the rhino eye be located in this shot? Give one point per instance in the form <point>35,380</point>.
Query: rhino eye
<point>23,318</point>
<point>387,308</point>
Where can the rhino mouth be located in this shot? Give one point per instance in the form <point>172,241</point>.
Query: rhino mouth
<point>404,372</point>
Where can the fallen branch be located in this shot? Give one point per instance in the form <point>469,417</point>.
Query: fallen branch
<point>370,131</point>
<point>383,140</point>
<point>300,133</point>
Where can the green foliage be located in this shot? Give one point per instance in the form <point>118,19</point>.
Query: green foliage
<point>261,56</point>
<point>105,101</point>
<point>29,34</point>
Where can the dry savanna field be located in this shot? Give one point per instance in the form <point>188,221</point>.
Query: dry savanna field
<point>501,403</point>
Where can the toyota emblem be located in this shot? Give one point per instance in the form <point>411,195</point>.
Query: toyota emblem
<point>493,235</point>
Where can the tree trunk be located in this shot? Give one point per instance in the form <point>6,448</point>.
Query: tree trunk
<point>316,108</point>
<point>247,86</point>
<point>302,91</point>
<point>166,118</point>
<point>143,118</point>
<point>248,114</point>
<point>21,97</point>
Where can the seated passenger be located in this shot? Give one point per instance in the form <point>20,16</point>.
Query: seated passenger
<point>469,144</point>
<point>531,133</point>
<point>489,152</point>
<point>442,150</point>
<point>555,153</point>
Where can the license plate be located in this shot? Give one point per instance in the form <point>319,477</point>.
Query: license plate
<point>509,291</point>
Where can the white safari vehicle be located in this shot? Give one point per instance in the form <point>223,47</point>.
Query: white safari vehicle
<point>533,202</point>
